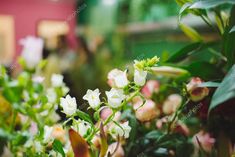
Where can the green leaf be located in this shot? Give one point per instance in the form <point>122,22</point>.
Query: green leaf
<point>225,91</point>
<point>209,84</point>
<point>190,32</point>
<point>58,147</point>
<point>185,52</point>
<point>183,9</point>
<point>207,4</point>
<point>205,70</point>
<point>232,30</point>
<point>153,135</point>
<point>84,116</point>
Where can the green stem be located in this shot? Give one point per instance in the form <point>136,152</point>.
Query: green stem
<point>179,110</point>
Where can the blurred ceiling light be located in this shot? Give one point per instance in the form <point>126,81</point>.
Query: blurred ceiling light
<point>108,2</point>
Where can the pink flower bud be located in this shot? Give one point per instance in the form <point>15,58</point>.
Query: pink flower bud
<point>171,104</point>
<point>150,87</point>
<point>146,112</point>
<point>196,93</point>
<point>116,150</point>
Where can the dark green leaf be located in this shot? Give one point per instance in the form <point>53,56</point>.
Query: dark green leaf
<point>153,134</point>
<point>207,4</point>
<point>58,147</point>
<point>225,91</point>
<point>205,70</point>
<point>185,52</point>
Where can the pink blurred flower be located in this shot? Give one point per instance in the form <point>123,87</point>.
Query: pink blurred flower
<point>116,150</point>
<point>33,128</point>
<point>182,129</point>
<point>106,112</point>
<point>196,93</point>
<point>205,140</point>
<point>150,87</point>
<point>171,104</point>
<point>59,133</point>
<point>161,122</point>
<point>146,112</point>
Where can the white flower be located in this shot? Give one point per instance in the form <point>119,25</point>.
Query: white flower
<point>69,105</point>
<point>117,78</point>
<point>123,130</point>
<point>57,80</point>
<point>140,77</point>
<point>115,97</point>
<point>38,79</point>
<point>65,90</point>
<point>38,146</point>
<point>93,98</point>
<point>32,50</point>
<point>51,95</point>
<point>82,127</point>
<point>47,134</point>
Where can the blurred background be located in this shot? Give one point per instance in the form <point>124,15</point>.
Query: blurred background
<point>84,39</point>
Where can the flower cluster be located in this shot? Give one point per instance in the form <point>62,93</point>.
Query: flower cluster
<point>107,112</point>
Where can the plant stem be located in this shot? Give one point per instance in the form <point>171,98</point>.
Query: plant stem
<point>176,115</point>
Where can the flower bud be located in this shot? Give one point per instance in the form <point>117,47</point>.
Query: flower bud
<point>146,112</point>
<point>171,104</point>
<point>196,93</point>
<point>150,87</point>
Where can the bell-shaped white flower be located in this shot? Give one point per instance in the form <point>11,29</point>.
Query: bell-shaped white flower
<point>32,50</point>
<point>69,105</point>
<point>115,97</point>
<point>47,134</point>
<point>82,127</point>
<point>117,78</point>
<point>140,77</point>
<point>93,98</point>
<point>57,80</point>
<point>121,130</point>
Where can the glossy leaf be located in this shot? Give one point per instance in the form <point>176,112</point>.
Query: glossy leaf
<point>207,4</point>
<point>185,52</point>
<point>79,145</point>
<point>232,30</point>
<point>58,147</point>
<point>209,84</point>
<point>225,91</point>
<point>205,70</point>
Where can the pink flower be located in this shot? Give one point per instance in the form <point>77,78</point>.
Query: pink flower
<point>106,112</point>
<point>182,129</point>
<point>161,122</point>
<point>205,140</point>
<point>150,87</point>
<point>196,93</point>
<point>171,104</point>
<point>115,150</point>
<point>146,112</point>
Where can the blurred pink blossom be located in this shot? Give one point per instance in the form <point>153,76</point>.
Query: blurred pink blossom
<point>150,87</point>
<point>146,112</point>
<point>205,140</point>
